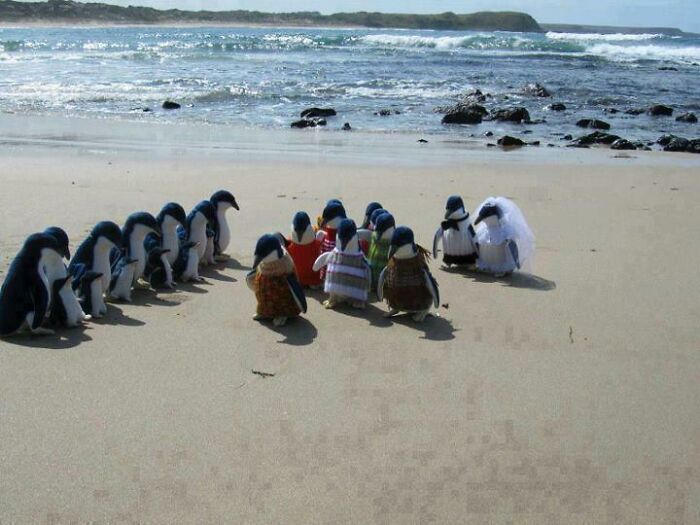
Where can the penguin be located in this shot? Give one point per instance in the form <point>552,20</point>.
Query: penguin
<point>158,270</point>
<point>122,280</point>
<point>65,307</point>
<point>304,248</point>
<point>273,279</point>
<point>90,293</point>
<point>222,201</point>
<point>198,221</point>
<point>406,283</point>
<point>348,276</point>
<point>506,243</point>
<point>93,255</point>
<point>25,296</point>
<point>457,235</point>
<point>333,214</point>
<point>371,207</point>
<point>137,226</point>
<point>380,245</point>
<point>170,218</point>
<point>186,267</point>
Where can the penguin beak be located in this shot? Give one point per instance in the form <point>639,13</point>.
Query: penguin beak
<point>300,233</point>
<point>235,205</point>
<point>478,220</point>
<point>256,262</point>
<point>66,253</point>
<point>449,212</point>
<point>392,251</point>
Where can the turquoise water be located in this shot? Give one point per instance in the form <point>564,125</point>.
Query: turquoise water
<point>265,77</point>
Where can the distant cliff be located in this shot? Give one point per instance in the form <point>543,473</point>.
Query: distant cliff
<point>66,11</point>
<point>608,30</point>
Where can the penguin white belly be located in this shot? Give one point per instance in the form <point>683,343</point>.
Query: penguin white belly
<point>209,252</point>
<point>122,288</point>
<point>191,272</point>
<point>168,270</point>
<point>99,308</point>
<point>496,258</point>
<point>102,265</point>
<point>199,235</point>
<point>171,242</point>
<point>138,252</point>
<point>74,313</point>
<point>224,232</point>
<point>457,242</point>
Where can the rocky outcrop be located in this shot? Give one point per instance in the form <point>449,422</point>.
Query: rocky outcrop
<point>556,107</point>
<point>318,113</point>
<point>463,117</point>
<point>660,110</point>
<point>593,124</point>
<point>510,142</point>
<point>597,137</point>
<point>518,115</point>
<point>634,111</point>
<point>169,105</point>
<point>536,90</point>
<point>309,123</point>
<point>689,118</point>
<point>677,144</point>
<point>622,144</point>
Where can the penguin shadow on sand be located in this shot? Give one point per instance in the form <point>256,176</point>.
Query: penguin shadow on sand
<point>116,316</point>
<point>297,332</point>
<point>370,313</point>
<point>150,297</point>
<point>215,273</point>
<point>434,327</point>
<point>523,280</point>
<point>235,264</point>
<point>63,339</point>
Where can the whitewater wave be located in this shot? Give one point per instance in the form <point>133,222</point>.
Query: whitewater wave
<point>594,37</point>
<point>650,52</point>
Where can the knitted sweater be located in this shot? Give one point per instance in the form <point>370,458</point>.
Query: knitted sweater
<point>304,256</point>
<point>327,245</point>
<point>458,241</point>
<point>347,275</point>
<point>378,257</point>
<point>272,290</point>
<point>405,288</point>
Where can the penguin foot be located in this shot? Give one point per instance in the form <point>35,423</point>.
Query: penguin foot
<point>142,285</point>
<point>222,257</point>
<point>419,317</point>
<point>328,304</point>
<point>258,317</point>
<point>391,313</point>
<point>279,321</point>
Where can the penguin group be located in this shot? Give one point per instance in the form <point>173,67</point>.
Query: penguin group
<point>41,292</point>
<point>350,263</point>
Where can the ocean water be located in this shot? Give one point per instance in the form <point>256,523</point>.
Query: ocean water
<point>264,77</point>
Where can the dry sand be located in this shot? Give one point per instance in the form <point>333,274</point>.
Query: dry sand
<point>569,396</point>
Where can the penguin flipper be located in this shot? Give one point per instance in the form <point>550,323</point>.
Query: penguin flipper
<point>513,247</point>
<point>436,241</point>
<point>321,261</point>
<point>40,304</point>
<point>297,292</point>
<point>320,235</point>
<point>432,285</point>
<point>150,242</point>
<point>380,284</point>
<point>77,271</point>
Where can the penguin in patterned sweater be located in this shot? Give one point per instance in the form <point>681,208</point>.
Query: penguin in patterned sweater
<point>304,248</point>
<point>457,235</point>
<point>380,245</point>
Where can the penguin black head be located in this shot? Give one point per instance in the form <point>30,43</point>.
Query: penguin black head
<point>61,238</point>
<point>372,206</point>
<point>403,236</point>
<point>454,203</point>
<point>346,231</point>
<point>488,210</point>
<point>140,218</point>
<point>174,210</point>
<point>207,209</point>
<point>266,245</point>
<point>375,215</point>
<point>223,196</point>
<point>300,224</point>
<point>333,210</point>
<point>383,222</point>
<point>109,231</point>
<point>35,243</point>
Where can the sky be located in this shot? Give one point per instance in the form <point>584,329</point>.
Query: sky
<point>684,14</point>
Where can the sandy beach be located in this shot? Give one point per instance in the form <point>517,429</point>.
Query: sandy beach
<point>566,396</point>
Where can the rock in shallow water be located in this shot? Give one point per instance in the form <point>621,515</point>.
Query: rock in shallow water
<point>556,107</point>
<point>510,142</point>
<point>677,144</point>
<point>318,113</point>
<point>169,104</point>
<point>462,117</point>
<point>536,90</point>
<point>519,114</point>
<point>622,144</point>
<point>660,111</point>
<point>593,124</point>
<point>687,117</point>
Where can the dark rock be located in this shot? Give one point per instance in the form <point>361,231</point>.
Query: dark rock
<point>462,117</point>
<point>597,137</point>
<point>622,144</point>
<point>535,143</point>
<point>611,111</point>
<point>593,124</point>
<point>668,68</point>
<point>660,111</point>
<point>510,142</point>
<point>634,111</point>
<point>463,107</point>
<point>519,114</point>
<point>476,96</point>
<point>488,134</point>
<point>422,141</point>
<point>526,131</point>
<point>347,127</point>
<point>386,113</point>
<point>304,123</point>
<point>694,146</point>
<point>556,107</point>
<point>677,144</point>
<point>318,113</point>
<point>551,146</point>
<point>577,144</point>
<point>567,137</point>
<point>665,140</point>
<point>536,90</point>
<point>490,145</point>
<point>147,110</point>
<point>169,104</point>
<point>687,117</point>
<point>320,122</point>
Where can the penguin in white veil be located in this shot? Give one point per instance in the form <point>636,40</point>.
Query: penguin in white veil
<point>506,243</point>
